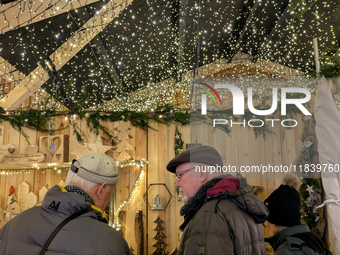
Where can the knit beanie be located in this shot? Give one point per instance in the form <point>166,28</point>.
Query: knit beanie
<point>284,206</point>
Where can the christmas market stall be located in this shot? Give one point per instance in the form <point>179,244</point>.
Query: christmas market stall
<point>119,77</point>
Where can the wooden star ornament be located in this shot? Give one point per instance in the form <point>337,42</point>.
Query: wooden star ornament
<point>81,150</point>
<point>98,146</point>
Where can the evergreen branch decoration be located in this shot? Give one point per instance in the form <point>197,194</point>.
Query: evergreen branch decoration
<point>300,7</point>
<point>337,12</point>
<point>178,142</point>
<point>329,62</point>
<point>308,155</point>
<point>40,120</point>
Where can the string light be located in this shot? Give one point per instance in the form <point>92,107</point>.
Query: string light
<point>35,167</point>
<point>139,163</point>
<point>131,193</point>
<point>65,166</point>
<point>143,51</point>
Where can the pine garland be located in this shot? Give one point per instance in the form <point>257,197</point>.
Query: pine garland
<point>337,12</point>
<point>40,120</point>
<point>309,155</point>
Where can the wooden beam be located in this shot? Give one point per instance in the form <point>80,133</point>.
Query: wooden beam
<point>277,26</point>
<point>11,75</point>
<point>244,30</point>
<point>9,72</point>
<point>64,53</point>
<point>279,22</point>
<point>22,13</point>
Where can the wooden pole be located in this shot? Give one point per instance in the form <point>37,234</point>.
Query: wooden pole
<point>316,54</point>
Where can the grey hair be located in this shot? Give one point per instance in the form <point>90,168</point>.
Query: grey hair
<point>74,179</point>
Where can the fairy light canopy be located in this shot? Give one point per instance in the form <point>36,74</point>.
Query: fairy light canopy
<point>151,41</point>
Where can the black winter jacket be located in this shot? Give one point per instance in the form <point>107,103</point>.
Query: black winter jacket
<point>88,234</point>
<point>223,224</point>
<point>297,240</point>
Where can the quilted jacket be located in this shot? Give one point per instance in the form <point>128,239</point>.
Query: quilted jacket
<point>87,234</point>
<point>225,222</point>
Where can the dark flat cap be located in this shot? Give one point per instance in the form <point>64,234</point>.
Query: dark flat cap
<point>200,154</point>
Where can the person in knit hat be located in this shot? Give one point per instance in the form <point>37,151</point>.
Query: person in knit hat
<point>289,235</point>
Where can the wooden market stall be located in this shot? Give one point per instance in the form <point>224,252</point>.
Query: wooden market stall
<point>122,60</point>
<point>133,216</point>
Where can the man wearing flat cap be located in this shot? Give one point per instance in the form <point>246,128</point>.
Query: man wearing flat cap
<point>221,215</point>
<point>74,214</point>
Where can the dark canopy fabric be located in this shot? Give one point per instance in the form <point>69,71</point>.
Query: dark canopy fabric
<point>153,40</point>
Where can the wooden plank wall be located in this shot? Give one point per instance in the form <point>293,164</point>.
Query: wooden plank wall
<point>240,148</point>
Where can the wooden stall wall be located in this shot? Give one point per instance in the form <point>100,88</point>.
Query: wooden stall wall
<point>157,146</point>
<point>242,147</point>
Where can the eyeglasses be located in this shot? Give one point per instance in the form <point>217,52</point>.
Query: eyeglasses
<point>178,175</point>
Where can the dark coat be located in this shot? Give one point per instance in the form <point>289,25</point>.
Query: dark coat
<point>297,240</point>
<point>226,223</point>
<point>87,234</point>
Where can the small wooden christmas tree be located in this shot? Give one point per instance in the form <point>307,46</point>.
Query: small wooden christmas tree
<point>131,251</point>
<point>160,244</point>
<point>123,146</point>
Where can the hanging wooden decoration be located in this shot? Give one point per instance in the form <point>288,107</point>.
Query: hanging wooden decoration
<point>158,202</point>
<point>2,218</point>
<point>62,183</point>
<point>12,209</point>
<point>123,146</point>
<point>98,146</point>
<point>174,252</point>
<point>23,191</point>
<point>42,193</point>
<point>139,232</point>
<point>159,227</point>
<point>6,149</point>
<point>123,156</point>
<point>160,244</point>
<point>11,190</point>
<point>159,236</point>
<point>32,200</point>
<point>178,142</point>
<point>30,155</point>
<point>55,148</point>
<point>81,150</point>
<point>132,251</point>
<point>158,220</point>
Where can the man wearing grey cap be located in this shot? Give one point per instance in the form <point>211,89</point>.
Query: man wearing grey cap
<point>221,215</point>
<point>70,219</point>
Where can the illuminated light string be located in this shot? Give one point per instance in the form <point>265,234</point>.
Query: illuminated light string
<point>284,48</point>
<point>26,170</point>
<point>129,198</point>
<point>34,168</point>
<point>131,193</point>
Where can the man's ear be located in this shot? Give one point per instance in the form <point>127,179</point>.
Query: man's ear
<point>204,176</point>
<point>101,190</point>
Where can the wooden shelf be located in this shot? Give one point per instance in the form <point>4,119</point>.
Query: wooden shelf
<point>34,166</point>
